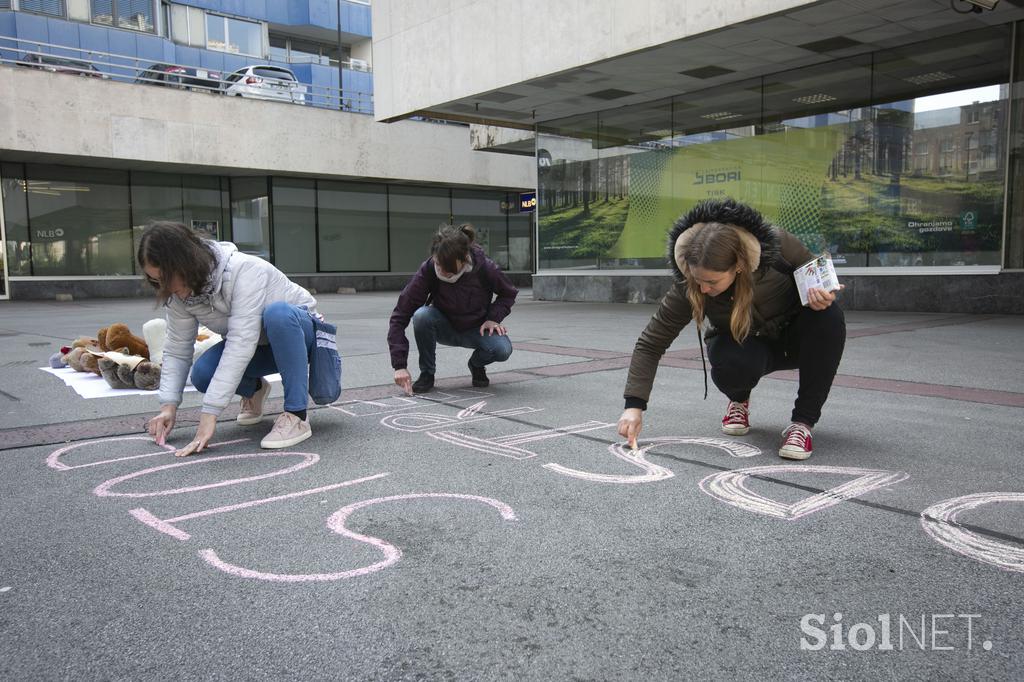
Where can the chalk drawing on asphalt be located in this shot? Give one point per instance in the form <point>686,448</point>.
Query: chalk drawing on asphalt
<point>336,523</point>
<point>940,522</point>
<point>731,487</point>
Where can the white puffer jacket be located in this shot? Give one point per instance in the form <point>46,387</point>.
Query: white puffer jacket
<point>232,304</point>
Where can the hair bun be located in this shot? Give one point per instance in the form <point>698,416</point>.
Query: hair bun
<point>468,230</point>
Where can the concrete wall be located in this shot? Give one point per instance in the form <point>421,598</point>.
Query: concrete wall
<point>47,117</point>
<point>991,294</point>
<point>430,52</point>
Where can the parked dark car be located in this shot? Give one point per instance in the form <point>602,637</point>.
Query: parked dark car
<point>48,62</point>
<point>182,77</point>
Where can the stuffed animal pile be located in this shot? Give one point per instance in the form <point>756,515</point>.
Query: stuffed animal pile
<point>123,359</point>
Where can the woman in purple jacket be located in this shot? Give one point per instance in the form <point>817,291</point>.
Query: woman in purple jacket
<point>451,300</point>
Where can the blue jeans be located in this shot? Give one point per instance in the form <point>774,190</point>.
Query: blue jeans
<point>290,332</point>
<point>432,327</point>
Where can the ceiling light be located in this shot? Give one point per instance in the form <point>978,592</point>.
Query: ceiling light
<point>932,77</point>
<point>721,116</point>
<point>814,99</point>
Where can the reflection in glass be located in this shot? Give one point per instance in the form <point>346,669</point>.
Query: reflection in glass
<point>19,249</point>
<point>205,206</point>
<point>155,196</point>
<point>353,220</point>
<point>80,222</point>
<point>250,216</point>
<point>294,224</point>
<point>487,211</point>
<point>891,159</point>
<point>416,213</point>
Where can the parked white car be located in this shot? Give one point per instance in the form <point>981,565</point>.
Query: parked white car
<point>266,82</point>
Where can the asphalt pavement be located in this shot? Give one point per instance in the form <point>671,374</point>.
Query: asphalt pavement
<point>507,532</point>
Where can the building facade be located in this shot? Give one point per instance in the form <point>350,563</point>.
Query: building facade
<point>889,133</point>
<point>311,182</point>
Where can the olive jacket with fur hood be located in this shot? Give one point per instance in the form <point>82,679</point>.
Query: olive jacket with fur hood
<point>776,301</point>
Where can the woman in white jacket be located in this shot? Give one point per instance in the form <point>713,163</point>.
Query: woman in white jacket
<point>263,316</point>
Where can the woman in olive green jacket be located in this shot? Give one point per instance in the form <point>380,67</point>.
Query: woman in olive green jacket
<point>734,275</point>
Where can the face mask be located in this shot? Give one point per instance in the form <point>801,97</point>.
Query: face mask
<point>452,279</point>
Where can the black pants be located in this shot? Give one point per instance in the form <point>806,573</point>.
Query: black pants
<point>812,343</point>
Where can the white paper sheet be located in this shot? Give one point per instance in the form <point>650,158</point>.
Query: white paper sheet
<point>89,385</point>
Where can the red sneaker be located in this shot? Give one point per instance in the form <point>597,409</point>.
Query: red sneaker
<point>796,442</point>
<point>736,421</point>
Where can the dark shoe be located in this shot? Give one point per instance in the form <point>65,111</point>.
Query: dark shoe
<point>480,379</point>
<point>424,384</point>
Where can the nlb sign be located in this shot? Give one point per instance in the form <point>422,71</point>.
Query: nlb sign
<point>527,202</point>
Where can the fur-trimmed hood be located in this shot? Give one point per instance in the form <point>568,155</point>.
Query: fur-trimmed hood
<point>761,239</point>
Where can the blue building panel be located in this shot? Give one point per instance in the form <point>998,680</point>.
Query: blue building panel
<point>149,49</point>
<point>211,60</point>
<point>93,38</point>
<point>31,27</point>
<point>355,18</point>
<point>323,13</point>
<point>233,62</point>
<point>258,8</point>
<point>63,33</point>
<point>187,56</point>
<point>235,7</point>
<point>7,47</point>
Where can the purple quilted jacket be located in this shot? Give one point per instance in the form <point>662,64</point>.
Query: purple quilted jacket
<point>471,301</point>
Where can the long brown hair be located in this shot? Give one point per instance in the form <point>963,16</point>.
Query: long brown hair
<point>175,250</point>
<point>451,245</point>
<point>718,247</point>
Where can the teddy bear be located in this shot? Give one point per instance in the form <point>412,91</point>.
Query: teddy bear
<point>118,336</point>
<point>155,332</point>
<point>121,370</point>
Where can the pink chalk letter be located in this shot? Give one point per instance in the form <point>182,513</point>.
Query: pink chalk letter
<point>653,472</point>
<point>336,523</point>
<point>103,489</point>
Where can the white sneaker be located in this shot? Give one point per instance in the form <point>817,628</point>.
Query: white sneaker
<point>251,411</point>
<point>288,430</point>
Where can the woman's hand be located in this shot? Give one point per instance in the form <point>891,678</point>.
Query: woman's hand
<point>492,327</point>
<point>819,299</point>
<point>160,426</point>
<point>207,425</point>
<point>630,423</point>
<point>404,380</point>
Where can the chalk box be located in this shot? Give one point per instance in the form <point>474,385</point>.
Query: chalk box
<point>818,273</point>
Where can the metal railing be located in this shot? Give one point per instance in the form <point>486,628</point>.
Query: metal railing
<point>109,66</point>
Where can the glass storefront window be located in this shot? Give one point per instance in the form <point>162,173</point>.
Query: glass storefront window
<point>205,206</point>
<point>294,202</point>
<point>155,196</point>
<point>520,237</point>
<point>1014,247</point>
<point>79,220</point>
<point>488,212</point>
<point>890,159</point>
<point>353,220</point>
<point>19,248</point>
<point>250,216</point>
<point>416,213</point>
